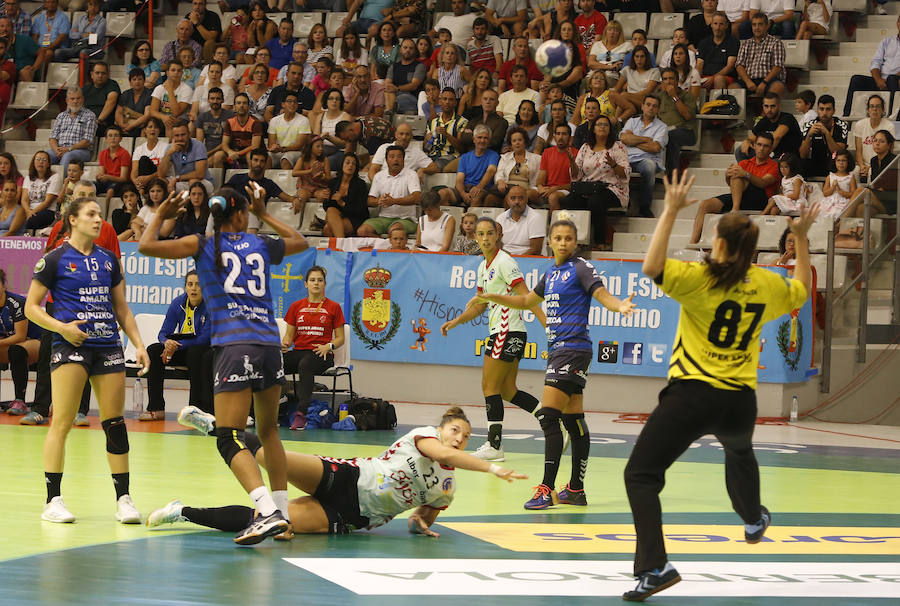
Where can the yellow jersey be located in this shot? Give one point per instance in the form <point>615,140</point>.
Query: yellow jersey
<point>717,340</point>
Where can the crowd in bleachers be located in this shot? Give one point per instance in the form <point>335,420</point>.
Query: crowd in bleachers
<point>350,120</point>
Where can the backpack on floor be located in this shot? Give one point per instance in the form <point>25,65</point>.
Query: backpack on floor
<point>373,413</point>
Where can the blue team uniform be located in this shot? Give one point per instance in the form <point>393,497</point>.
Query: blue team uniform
<point>568,290</point>
<point>14,311</point>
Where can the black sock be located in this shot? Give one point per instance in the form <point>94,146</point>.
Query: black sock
<point>232,518</point>
<point>121,481</point>
<point>581,448</point>
<point>553,443</point>
<point>53,482</point>
<point>525,401</point>
<point>494,407</point>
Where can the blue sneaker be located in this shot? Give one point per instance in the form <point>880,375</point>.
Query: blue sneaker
<point>652,582</point>
<point>33,418</point>
<point>753,533</point>
<point>544,497</point>
<point>569,496</point>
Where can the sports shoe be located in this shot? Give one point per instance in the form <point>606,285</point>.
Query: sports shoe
<point>169,514</point>
<point>261,528</point>
<point>652,582</point>
<point>486,452</point>
<point>569,496</point>
<point>17,408</point>
<point>753,533</point>
<point>193,417</point>
<point>81,420</point>
<point>287,535</point>
<point>152,415</point>
<point>544,497</point>
<point>32,418</point>
<point>298,422</point>
<point>126,512</point>
<point>55,511</point>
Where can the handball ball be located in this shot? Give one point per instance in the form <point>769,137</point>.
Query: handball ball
<point>554,58</point>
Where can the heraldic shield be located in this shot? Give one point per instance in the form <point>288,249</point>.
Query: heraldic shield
<point>375,319</point>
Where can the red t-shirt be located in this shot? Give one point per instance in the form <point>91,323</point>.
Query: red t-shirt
<point>769,167</point>
<point>533,72</point>
<point>590,29</point>
<point>113,166</point>
<point>556,163</point>
<point>315,322</point>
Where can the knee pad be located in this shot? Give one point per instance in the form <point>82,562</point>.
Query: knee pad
<point>575,425</point>
<point>549,420</point>
<point>230,441</point>
<point>116,435</point>
<point>252,442</point>
<point>494,408</point>
<point>17,353</point>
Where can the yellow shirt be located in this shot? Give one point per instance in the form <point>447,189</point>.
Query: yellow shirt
<point>187,327</point>
<point>717,340</point>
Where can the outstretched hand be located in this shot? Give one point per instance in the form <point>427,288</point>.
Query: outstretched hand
<point>627,306</point>
<point>509,475</point>
<point>173,205</point>
<point>677,190</point>
<point>800,225</point>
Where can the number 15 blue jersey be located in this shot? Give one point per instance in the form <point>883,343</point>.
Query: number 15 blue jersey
<point>238,296</point>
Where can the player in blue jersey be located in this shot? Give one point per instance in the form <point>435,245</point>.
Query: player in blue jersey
<point>234,269</point>
<point>568,288</point>
<point>19,343</point>
<point>88,307</point>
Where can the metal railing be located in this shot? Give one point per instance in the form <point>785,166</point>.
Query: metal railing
<point>883,187</point>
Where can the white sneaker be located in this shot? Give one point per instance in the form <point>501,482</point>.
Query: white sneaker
<point>126,512</point>
<point>881,10</point>
<point>193,417</point>
<point>55,511</point>
<point>486,452</point>
<point>169,514</point>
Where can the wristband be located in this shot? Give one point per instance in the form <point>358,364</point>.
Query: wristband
<point>494,468</point>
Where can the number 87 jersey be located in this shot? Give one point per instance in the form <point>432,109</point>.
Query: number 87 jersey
<point>238,295</point>
<point>717,340</point>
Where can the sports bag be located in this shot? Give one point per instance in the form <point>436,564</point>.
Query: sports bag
<point>373,413</point>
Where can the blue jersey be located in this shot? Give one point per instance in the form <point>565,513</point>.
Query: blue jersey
<point>238,297</point>
<point>568,290</point>
<point>13,311</point>
<point>81,286</point>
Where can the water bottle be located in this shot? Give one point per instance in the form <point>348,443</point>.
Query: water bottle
<point>795,409</point>
<point>343,411</point>
<point>137,394</point>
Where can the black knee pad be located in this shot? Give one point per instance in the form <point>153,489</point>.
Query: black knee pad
<point>116,435</point>
<point>549,420</point>
<point>252,442</point>
<point>17,353</point>
<point>576,426</point>
<point>230,441</point>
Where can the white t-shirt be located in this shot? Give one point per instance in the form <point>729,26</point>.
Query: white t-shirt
<point>517,234</point>
<point>460,27</point>
<point>816,14</point>
<point>510,100</point>
<point>400,185</point>
<point>287,133</point>
<point>38,189</point>
<point>229,73</point>
<point>810,115</point>
<point>363,57</point>
<point>499,278</point>
<point>544,133</point>
<point>201,94</point>
<point>734,9</point>
<point>772,8</point>
<point>413,159</point>
<point>637,81</point>
<point>863,130</point>
<point>183,94</point>
<point>154,154</point>
<point>146,214</point>
<point>432,232</point>
<point>693,79</point>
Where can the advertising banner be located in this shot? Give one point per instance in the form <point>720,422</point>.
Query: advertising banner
<point>20,253</point>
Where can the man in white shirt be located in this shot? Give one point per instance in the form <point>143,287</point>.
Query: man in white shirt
<point>396,191</point>
<point>524,229</point>
<point>507,17</point>
<point>414,158</point>
<point>460,23</point>
<point>510,100</point>
<point>780,14</point>
<point>738,13</point>
<point>288,133</point>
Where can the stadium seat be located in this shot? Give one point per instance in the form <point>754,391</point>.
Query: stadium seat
<point>739,94</point>
<point>232,172</point>
<point>30,95</point>
<point>114,203</point>
<point>283,211</point>
<point>631,22</point>
<point>851,6</point>
<point>438,179</point>
<point>662,46</point>
<point>488,211</point>
<point>217,176</point>
<point>304,22</point>
<point>796,54</point>
<point>582,221</point>
<point>90,172</point>
<point>709,231</point>
<point>120,24</point>
<point>770,229</point>
<point>418,123</point>
<point>333,22</point>
<point>663,25</point>
<point>59,75</point>
<point>283,179</point>
<point>309,217</point>
<point>454,211</point>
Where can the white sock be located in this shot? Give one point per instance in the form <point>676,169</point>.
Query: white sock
<point>281,502</point>
<point>539,406</point>
<point>262,500</point>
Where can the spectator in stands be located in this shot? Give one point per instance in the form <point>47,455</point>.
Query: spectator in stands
<point>133,106</point>
<point>678,110</point>
<point>639,38</point>
<point>183,37</point>
<point>40,192</point>
<point>195,220</point>
<point>591,112</point>
<point>687,78</point>
<point>50,29</point>
<point>637,80</point>
<point>115,165</point>
<point>752,183</point>
<point>461,23</point>
<point>241,135</point>
<point>429,100</point>
<point>185,160</point>
<point>101,95</point>
<point>805,104</point>
<point>518,166</point>
<point>170,101</point>
<point>449,71</point>
<point>590,24</point>
<point>155,194</point>
<point>547,132</point>
<point>258,91</point>
<point>142,58</point>
<point>360,137</point>
<point>425,50</point>
<point>364,96</point>
<point>475,173</point>
<point>545,25</point>
<point>396,191</point>
<point>23,50</point>
<point>189,75</point>
<point>263,56</point>
<point>146,156</point>
<point>645,137</point>
<point>863,132</point>
<point>236,35</point>
<point>527,119</point>
<point>313,174</point>
<point>409,16</point>
<point>679,36</point>
<point>483,50</point>
<point>91,22</point>
<point>443,137</point>
<point>506,17</point>
<point>73,177</point>
<point>282,46</point>
<point>780,14</point>
<point>370,14</point>
<point>12,214</point>
<point>465,242</point>
<point>288,133</point>
<point>699,27</point>
<point>350,53</point>
<point>404,79</point>
<point>213,79</point>
<point>816,18</point>
<point>20,20</point>
<point>325,123</point>
<point>760,60</point>
<point>738,13</point>
<point>521,56</point>
<point>470,100</point>
<point>608,54</point>
<point>7,77</point>
<point>385,50</point>
<point>524,229</point>
<point>183,340</point>
<point>781,126</point>
<point>325,69</point>
<point>414,158</point>
<point>557,168</point>
<point>596,89</point>
<point>122,217</point>
<point>346,208</point>
<point>19,342</point>
<point>717,54</point>
<point>9,171</point>
<point>436,228</point>
<point>885,69</point>
<point>207,28</point>
<point>487,116</point>
<point>570,82</point>
<point>73,132</point>
<point>510,100</point>
<point>257,174</point>
<point>882,184</point>
<point>210,125</point>
<point>822,138</point>
<point>261,29</point>
<point>397,237</point>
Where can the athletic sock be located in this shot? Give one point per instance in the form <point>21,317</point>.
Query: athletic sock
<point>494,408</point>
<point>121,482</point>
<point>232,518</point>
<point>581,448</point>
<point>553,444</point>
<point>265,505</point>
<point>53,481</point>
<point>281,502</point>
<point>525,401</point>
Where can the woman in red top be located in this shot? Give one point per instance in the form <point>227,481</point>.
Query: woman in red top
<point>315,328</point>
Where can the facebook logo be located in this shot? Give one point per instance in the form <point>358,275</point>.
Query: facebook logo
<point>631,353</point>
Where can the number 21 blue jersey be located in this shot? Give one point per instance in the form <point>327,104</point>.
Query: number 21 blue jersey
<point>238,296</point>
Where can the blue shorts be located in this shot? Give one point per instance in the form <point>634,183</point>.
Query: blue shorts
<point>362,25</point>
<point>567,370</point>
<point>247,366</point>
<point>95,360</point>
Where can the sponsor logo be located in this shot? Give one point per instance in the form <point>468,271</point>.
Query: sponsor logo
<point>658,353</point>
<point>114,361</point>
<point>107,265</point>
<point>632,353</point>
<point>607,352</point>
<point>56,358</point>
<point>75,357</point>
<point>71,268</point>
<point>447,485</point>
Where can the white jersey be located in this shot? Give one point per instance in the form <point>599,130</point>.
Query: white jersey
<point>402,478</point>
<point>499,278</point>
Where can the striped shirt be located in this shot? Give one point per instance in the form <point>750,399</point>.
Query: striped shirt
<point>481,55</point>
<point>451,79</point>
<point>758,58</point>
<point>69,129</point>
<point>440,145</point>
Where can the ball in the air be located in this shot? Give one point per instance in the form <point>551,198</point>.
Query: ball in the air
<point>554,58</point>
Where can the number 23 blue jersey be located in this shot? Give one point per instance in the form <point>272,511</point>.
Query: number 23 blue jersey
<point>238,296</point>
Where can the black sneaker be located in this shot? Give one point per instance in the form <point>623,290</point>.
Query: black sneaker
<point>261,528</point>
<point>752,538</point>
<point>652,582</point>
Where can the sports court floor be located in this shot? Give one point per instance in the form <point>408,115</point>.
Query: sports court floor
<point>834,492</point>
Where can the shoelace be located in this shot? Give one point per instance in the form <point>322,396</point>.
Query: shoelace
<point>541,489</point>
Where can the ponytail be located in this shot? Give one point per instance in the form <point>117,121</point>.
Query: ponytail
<point>739,234</point>
<point>222,206</point>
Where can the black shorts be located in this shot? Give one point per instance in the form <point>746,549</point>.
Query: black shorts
<point>567,370</point>
<point>338,496</point>
<point>507,347</point>
<point>96,360</point>
<point>254,367</point>
<point>356,219</point>
<point>754,198</point>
